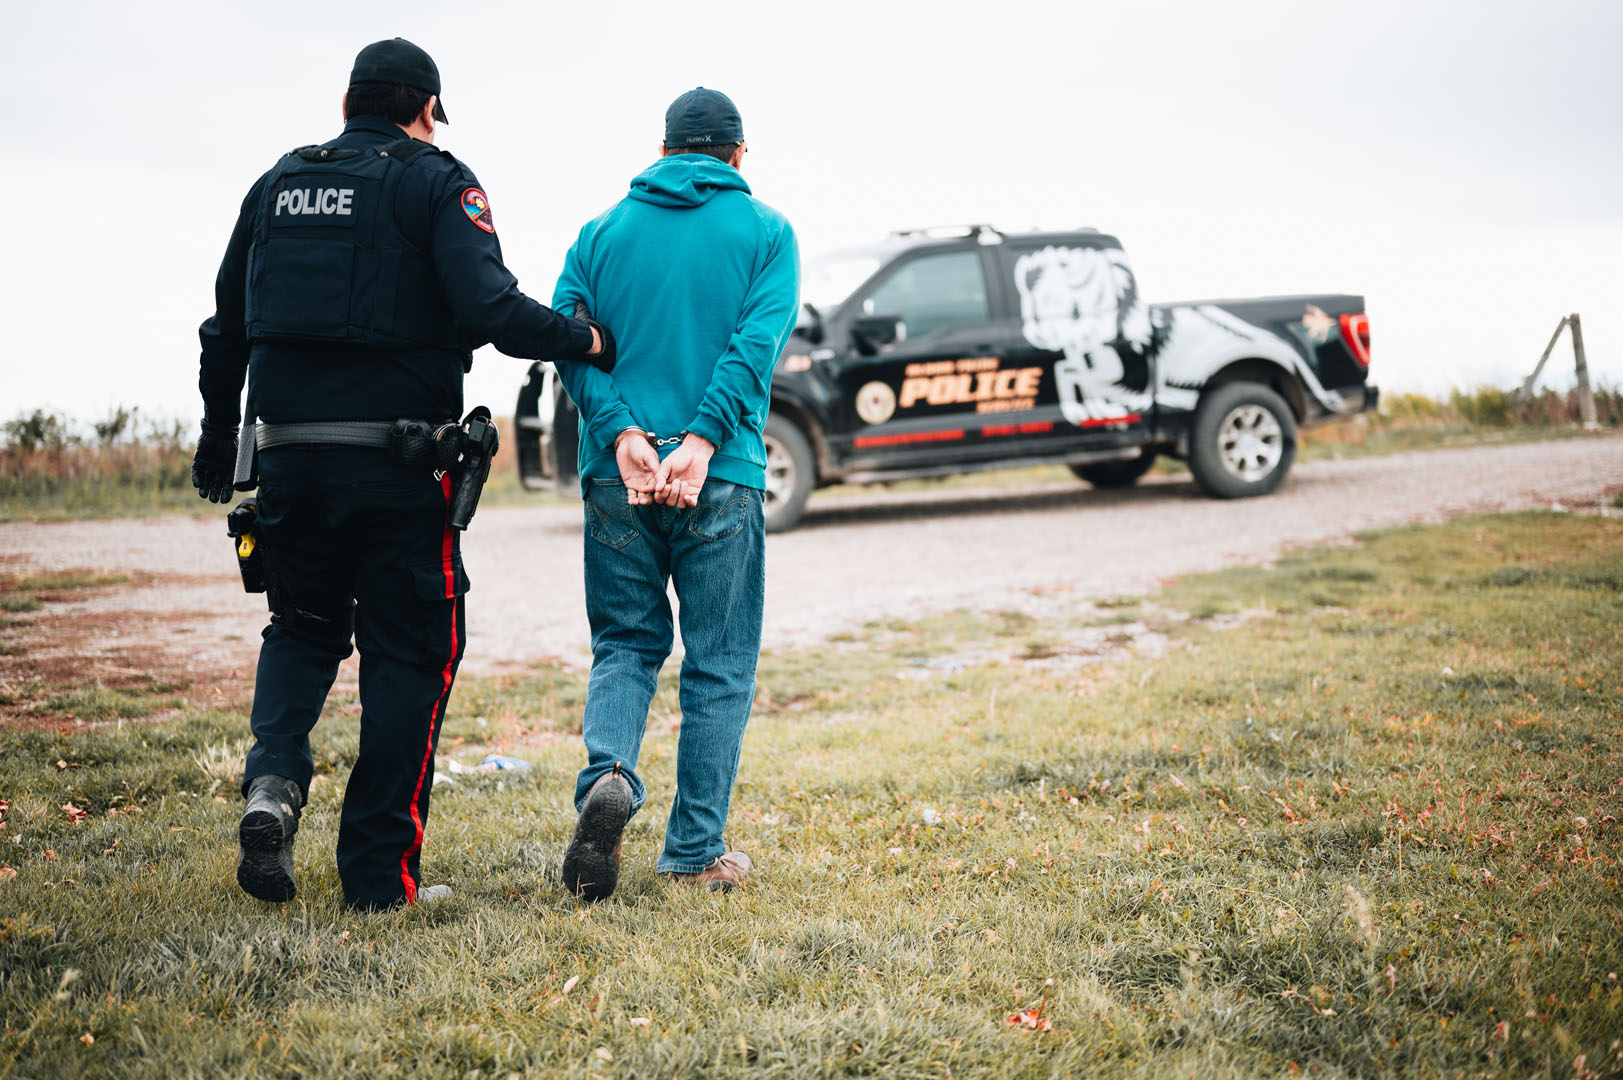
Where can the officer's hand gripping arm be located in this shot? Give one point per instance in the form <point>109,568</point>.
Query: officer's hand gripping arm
<point>607,353</point>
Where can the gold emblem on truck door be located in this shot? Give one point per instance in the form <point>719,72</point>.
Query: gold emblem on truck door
<point>876,403</point>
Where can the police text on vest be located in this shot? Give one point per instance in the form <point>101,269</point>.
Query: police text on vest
<point>315,201</point>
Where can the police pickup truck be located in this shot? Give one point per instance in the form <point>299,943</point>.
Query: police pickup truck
<point>948,351</point>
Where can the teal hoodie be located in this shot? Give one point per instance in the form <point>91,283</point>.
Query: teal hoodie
<point>699,283</point>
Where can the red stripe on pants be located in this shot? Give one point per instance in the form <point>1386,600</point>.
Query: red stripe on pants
<point>447,549</point>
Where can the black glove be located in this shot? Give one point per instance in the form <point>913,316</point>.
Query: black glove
<point>603,361</point>
<point>214,466</point>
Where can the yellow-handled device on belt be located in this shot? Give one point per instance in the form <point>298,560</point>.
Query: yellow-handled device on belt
<point>239,525</point>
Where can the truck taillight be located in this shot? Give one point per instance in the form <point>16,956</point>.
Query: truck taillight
<point>1355,332</point>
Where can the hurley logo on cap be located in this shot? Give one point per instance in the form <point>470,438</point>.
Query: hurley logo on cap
<point>703,117</point>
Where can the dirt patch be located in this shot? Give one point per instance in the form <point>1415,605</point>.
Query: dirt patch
<point>148,579</point>
<point>1607,502</point>
<point>45,655</point>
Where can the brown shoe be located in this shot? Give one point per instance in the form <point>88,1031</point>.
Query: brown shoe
<point>725,872</point>
<point>592,860</point>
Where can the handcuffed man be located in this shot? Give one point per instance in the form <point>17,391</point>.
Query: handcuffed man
<point>699,280</point>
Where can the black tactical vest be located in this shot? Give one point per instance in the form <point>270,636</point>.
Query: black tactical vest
<point>328,262</point>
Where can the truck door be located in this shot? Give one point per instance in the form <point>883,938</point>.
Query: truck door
<point>926,367</point>
<point>1080,315</point>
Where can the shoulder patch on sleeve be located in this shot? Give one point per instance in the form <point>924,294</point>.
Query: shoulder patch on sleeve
<point>477,207</point>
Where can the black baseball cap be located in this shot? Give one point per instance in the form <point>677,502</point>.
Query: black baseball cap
<point>399,61</point>
<point>702,117</point>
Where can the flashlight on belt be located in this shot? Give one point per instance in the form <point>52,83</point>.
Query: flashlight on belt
<point>239,525</point>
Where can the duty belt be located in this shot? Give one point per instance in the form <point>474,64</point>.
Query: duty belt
<point>373,433</point>
<point>410,442</point>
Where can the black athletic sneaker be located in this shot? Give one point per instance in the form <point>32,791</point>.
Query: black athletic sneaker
<point>265,866</point>
<point>592,860</point>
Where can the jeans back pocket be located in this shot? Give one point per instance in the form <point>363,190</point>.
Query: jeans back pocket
<point>609,517</point>
<point>720,510</point>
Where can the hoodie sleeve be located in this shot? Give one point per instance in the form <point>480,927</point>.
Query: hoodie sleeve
<point>742,381</point>
<point>592,390</point>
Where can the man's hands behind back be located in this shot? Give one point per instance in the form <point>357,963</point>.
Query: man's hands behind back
<point>682,474</point>
<point>676,481</point>
<point>639,463</point>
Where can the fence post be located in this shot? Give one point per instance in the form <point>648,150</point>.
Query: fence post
<point>1586,396</point>
<point>1527,383</point>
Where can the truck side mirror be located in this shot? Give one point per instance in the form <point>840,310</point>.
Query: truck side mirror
<point>810,323</point>
<point>872,331</point>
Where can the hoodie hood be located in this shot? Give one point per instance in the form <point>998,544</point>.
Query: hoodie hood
<point>685,180</point>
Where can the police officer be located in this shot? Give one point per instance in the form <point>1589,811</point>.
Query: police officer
<point>359,278</point>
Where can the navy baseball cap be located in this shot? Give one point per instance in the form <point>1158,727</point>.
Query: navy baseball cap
<point>702,117</point>
<point>400,62</point>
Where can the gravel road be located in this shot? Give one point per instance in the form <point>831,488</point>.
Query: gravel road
<point>878,555</point>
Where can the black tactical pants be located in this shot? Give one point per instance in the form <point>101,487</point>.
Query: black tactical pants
<point>356,543</point>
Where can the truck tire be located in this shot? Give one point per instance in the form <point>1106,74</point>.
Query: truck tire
<point>1115,474</point>
<point>1243,442</point>
<point>791,473</point>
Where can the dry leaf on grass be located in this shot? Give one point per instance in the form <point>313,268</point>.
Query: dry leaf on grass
<point>569,984</point>
<point>1031,1018</point>
<point>75,814</point>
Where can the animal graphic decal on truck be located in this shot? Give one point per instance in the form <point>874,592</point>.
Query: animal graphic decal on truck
<point>1083,302</point>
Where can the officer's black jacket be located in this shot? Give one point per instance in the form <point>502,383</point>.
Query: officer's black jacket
<point>294,381</point>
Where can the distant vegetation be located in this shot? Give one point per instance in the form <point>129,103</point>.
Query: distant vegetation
<point>131,464</point>
<point>1488,414</point>
<point>127,464</point>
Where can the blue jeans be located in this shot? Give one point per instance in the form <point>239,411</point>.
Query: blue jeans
<point>716,554</point>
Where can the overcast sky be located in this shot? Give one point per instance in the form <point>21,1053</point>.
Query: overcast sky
<point>1460,164</point>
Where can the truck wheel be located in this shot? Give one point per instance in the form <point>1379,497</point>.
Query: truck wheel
<point>791,473</point>
<point>1243,442</point>
<point>1115,474</point>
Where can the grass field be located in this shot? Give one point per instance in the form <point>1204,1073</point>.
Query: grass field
<point>1351,814</point>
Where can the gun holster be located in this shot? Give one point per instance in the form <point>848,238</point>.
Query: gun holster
<point>480,442</point>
